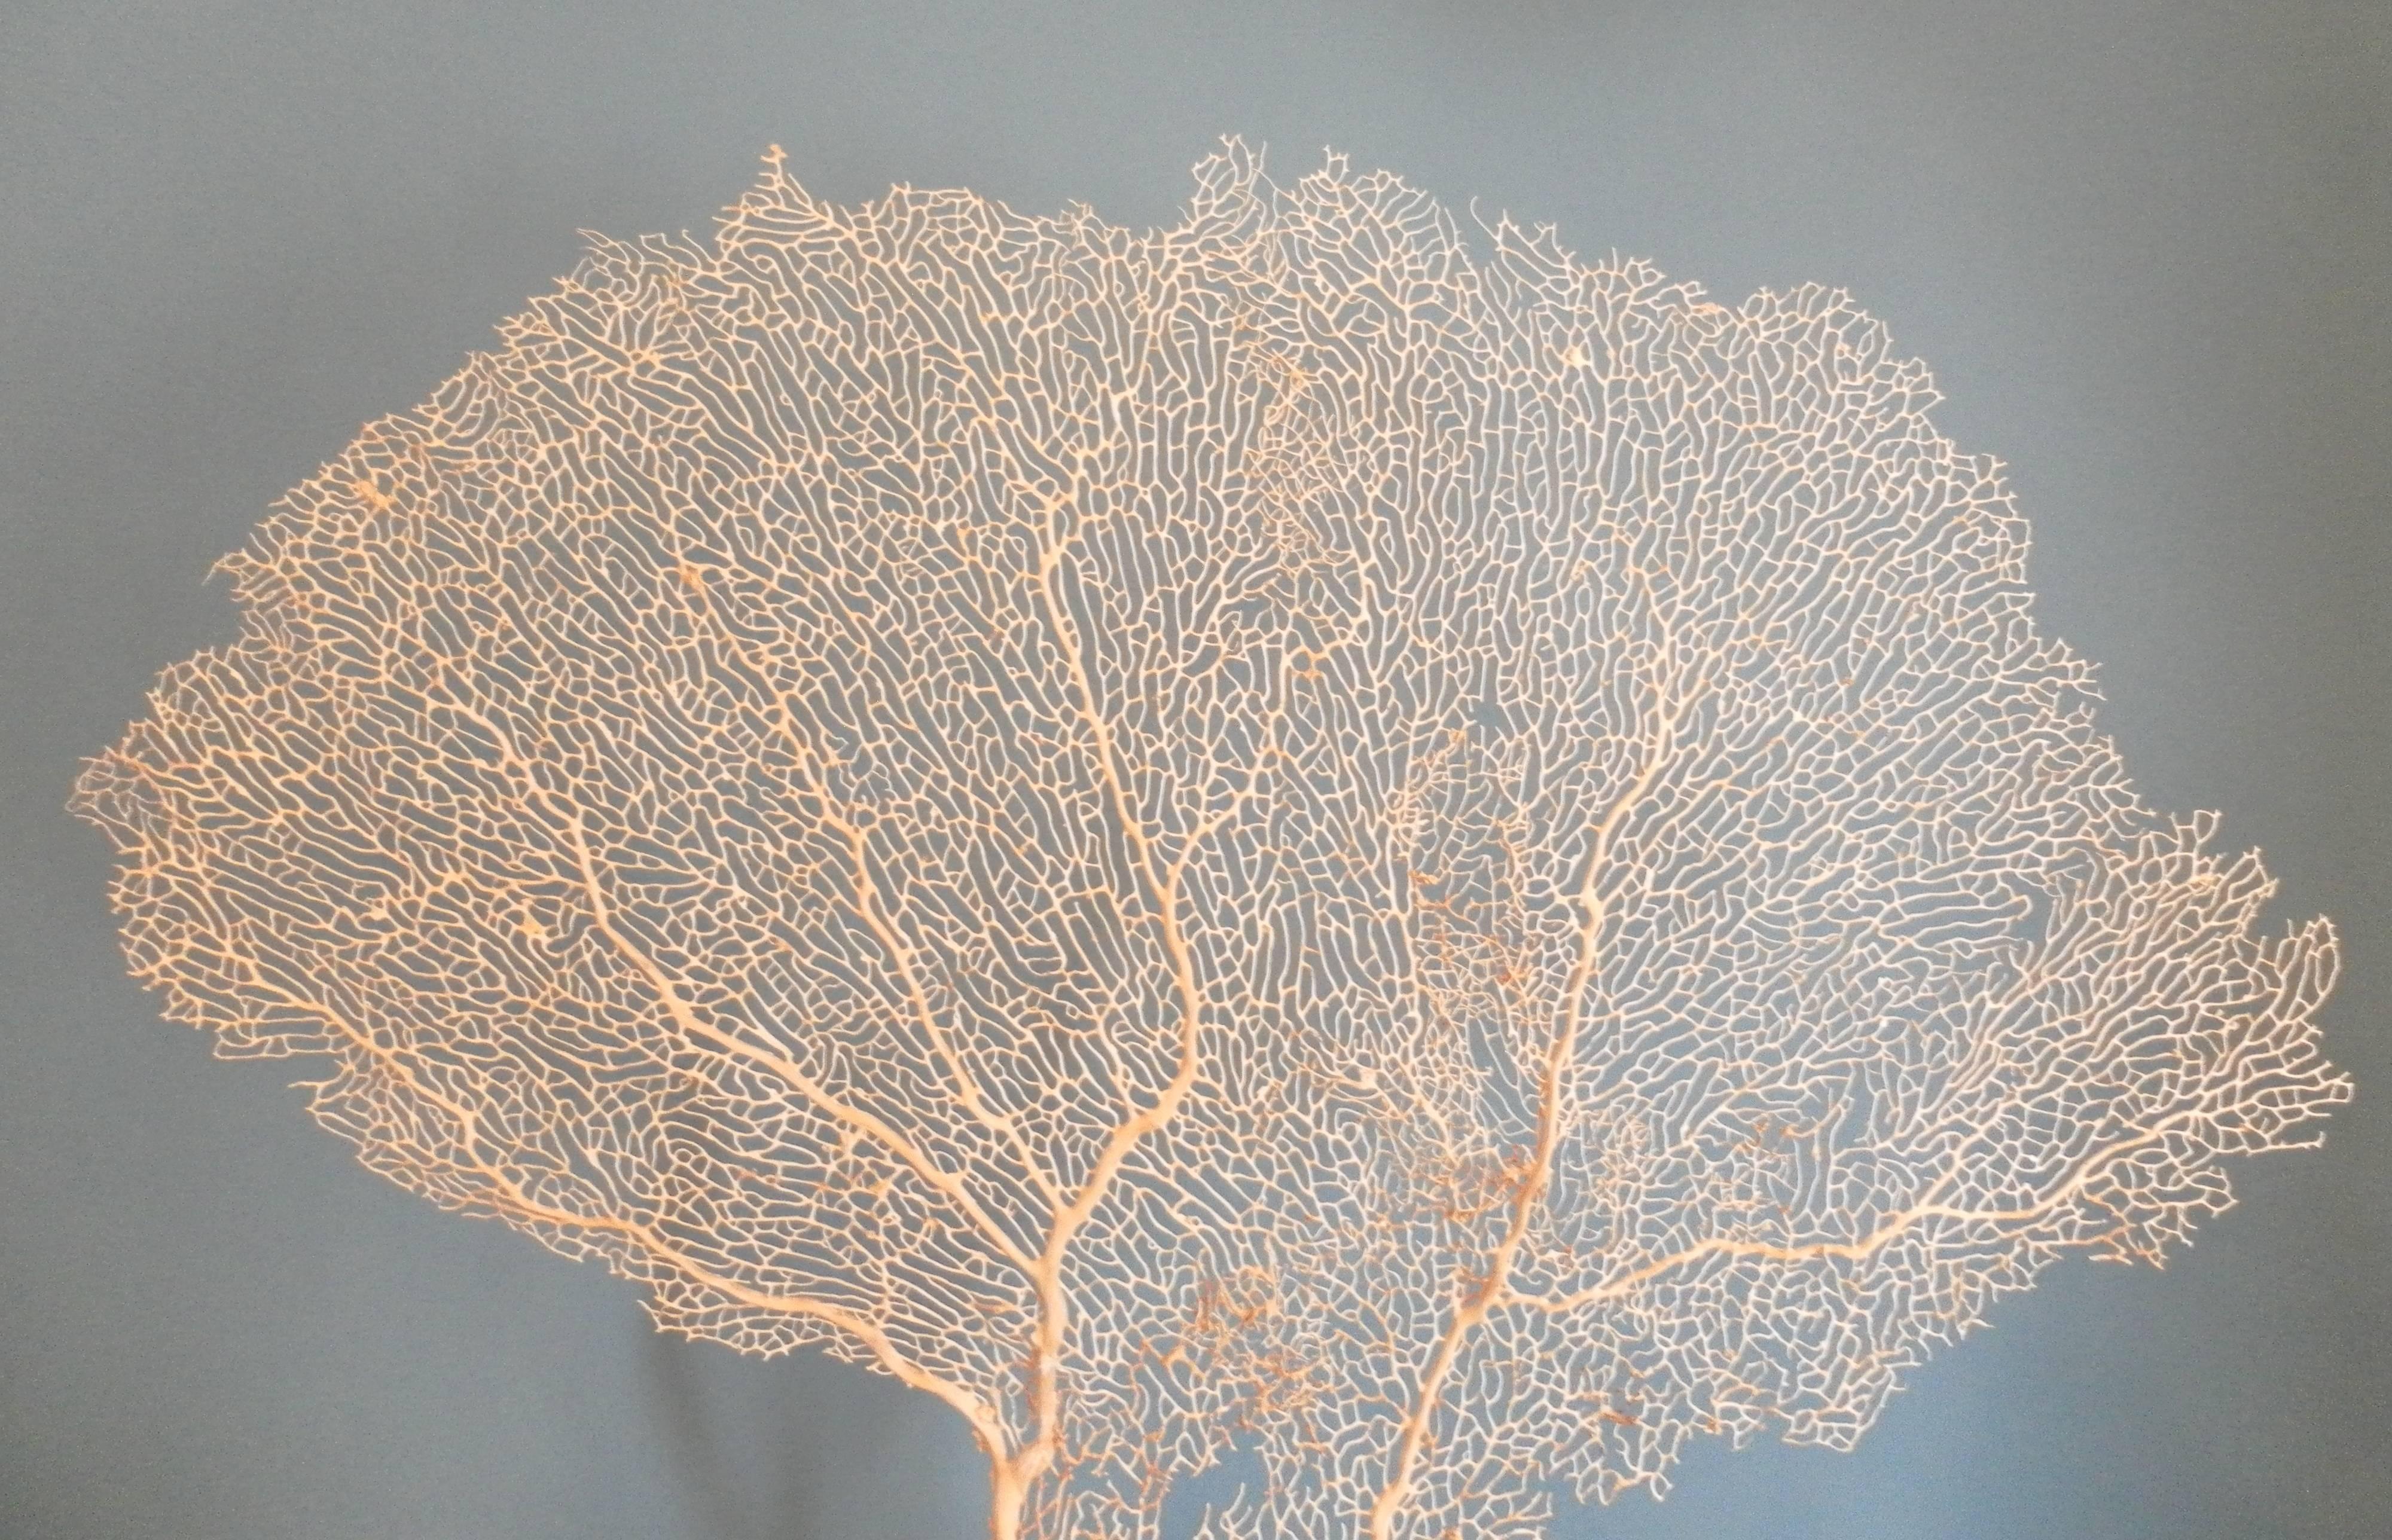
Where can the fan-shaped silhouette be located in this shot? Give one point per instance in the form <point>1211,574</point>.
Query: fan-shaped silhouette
<point>1438,869</point>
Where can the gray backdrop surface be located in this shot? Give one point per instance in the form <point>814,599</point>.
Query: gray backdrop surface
<point>2142,245</point>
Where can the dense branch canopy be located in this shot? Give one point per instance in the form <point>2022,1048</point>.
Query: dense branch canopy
<point>1444,867</point>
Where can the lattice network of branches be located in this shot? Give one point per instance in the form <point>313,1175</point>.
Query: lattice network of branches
<point>1436,867</point>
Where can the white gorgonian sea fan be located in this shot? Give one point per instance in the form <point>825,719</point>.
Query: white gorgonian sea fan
<point>1441,869</point>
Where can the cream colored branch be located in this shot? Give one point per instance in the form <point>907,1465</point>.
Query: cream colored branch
<point>1473,1304</point>
<point>1890,1230</point>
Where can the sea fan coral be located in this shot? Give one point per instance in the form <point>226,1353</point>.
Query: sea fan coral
<point>1442,867</point>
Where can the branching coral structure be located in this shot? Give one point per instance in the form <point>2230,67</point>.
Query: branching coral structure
<point>1441,868</point>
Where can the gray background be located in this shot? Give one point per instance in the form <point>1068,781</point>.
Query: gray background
<point>2142,246</point>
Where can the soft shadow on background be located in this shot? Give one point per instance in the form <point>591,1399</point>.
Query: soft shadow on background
<point>2141,245</point>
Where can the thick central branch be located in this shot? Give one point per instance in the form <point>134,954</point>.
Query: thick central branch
<point>1493,1289</point>
<point>1162,885</point>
